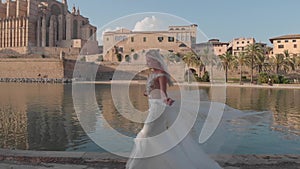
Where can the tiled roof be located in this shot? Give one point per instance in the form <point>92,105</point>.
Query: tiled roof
<point>292,36</point>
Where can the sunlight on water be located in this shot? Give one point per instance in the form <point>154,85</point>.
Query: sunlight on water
<point>42,117</point>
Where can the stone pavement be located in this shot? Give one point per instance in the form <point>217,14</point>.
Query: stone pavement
<point>16,159</point>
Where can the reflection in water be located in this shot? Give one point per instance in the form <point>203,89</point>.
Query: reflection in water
<point>284,103</point>
<point>42,117</point>
<point>37,117</point>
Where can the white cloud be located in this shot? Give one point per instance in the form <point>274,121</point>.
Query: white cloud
<point>149,24</point>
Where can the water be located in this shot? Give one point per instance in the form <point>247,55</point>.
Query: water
<point>42,117</point>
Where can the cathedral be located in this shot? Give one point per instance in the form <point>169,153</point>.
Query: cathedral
<point>46,27</point>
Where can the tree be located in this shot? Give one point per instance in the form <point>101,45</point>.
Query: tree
<point>227,60</point>
<point>241,60</point>
<point>260,63</point>
<point>253,51</point>
<point>291,60</point>
<point>199,64</point>
<point>208,58</point>
<point>279,62</point>
<point>190,59</point>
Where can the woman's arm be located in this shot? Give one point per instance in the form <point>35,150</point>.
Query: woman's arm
<point>163,90</point>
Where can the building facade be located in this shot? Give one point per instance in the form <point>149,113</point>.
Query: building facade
<point>177,39</point>
<point>239,45</point>
<point>220,48</point>
<point>290,43</point>
<point>40,24</point>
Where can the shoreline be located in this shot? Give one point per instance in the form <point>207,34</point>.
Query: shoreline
<point>142,82</point>
<point>201,84</point>
<point>93,159</point>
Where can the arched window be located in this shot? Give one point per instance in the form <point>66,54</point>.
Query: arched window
<point>55,10</point>
<point>75,29</point>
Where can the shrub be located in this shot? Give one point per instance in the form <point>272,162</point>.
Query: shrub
<point>13,56</point>
<point>135,56</point>
<point>119,57</point>
<point>100,58</point>
<point>279,79</point>
<point>263,78</point>
<point>205,77</point>
<point>127,58</point>
<point>83,59</point>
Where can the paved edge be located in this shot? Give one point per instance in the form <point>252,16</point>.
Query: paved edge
<point>204,84</point>
<point>36,157</point>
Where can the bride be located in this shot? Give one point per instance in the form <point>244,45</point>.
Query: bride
<point>163,111</point>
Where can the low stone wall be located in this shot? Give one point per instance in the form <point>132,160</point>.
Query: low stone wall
<point>107,160</point>
<point>31,68</point>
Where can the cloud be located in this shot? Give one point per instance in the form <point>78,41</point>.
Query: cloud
<point>149,24</point>
<point>100,36</point>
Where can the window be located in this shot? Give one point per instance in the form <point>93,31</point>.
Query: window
<point>132,50</point>
<point>132,39</point>
<point>286,41</point>
<point>295,45</point>
<point>242,42</point>
<point>160,39</point>
<point>238,42</point>
<point>278,41</point>
<point>144,39</point>
<point>248,41</point>
<point>220,50</point>
<point>280,46</point>
<point>237,48</point>
<point>170,39</point>
<point>294,40</point>
<point>107,39</point>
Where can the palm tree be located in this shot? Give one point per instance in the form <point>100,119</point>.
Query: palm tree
<point>279,62</point>
<point>291,60</point>
<point>227,61</point>
<point>297,61</point>
<point>260,63</point>
<point>190,59</point>
<point>253,50</point>
<point>241,60</point>
<point>208,58</point>
<point>199,63</point>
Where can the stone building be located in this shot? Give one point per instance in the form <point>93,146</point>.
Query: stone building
<point>177,39</point>
<point>291,43</point>
<point>44,27</point>
<point>239,45</point>
<point>220,48</point>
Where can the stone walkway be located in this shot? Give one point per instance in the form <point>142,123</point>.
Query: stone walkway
<point>16,159</point>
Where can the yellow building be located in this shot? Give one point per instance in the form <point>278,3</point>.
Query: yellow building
<point>239,45</point>
<point>177,39</point>
<point>219,47</point>
<point>291,43</point>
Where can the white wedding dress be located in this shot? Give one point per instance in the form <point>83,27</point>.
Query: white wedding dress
<point>186,154</point>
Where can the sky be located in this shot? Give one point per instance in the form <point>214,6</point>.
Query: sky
<point>221,19</point>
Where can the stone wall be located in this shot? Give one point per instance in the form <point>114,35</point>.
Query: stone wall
<point>31,68</point>
<point>39,52</point>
